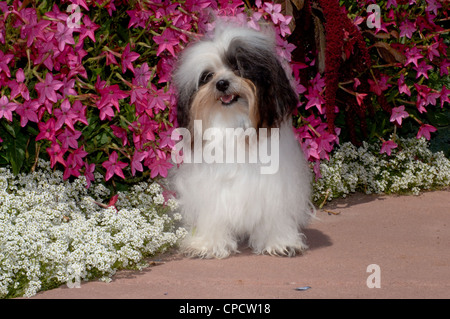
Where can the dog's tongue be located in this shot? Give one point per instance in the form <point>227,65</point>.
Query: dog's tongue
<point>227,98</point>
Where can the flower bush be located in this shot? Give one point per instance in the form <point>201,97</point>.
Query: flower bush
<point>410,168</point>
<point>373,81</point>
<point>86,84</point>
<point>54,232</point>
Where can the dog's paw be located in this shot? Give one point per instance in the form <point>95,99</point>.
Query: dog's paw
<point>279,249</point>
<point>200,248</point>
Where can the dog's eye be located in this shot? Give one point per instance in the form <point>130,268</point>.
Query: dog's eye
<point>205,77</point>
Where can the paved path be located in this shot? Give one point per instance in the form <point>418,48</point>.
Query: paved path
<point>408,237</point>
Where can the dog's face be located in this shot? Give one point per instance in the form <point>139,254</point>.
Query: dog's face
<point>233,79</point>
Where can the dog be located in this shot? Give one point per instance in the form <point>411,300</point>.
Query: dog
<point>233,94</point>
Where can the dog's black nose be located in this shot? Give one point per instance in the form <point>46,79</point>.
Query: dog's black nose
<point>222,85</point>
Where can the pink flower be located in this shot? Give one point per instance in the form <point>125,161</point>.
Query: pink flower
<point>356,83</point>
<point>425,131</point>
<point>443,67</point>
<point>33,29</point>
<point>402,87</point>
<point>136,164</point>
<point>64,36</point>
<point>253,22</point>
<point>111,95</point>
<point>138,18</point>
<point>360,97</point>
<point>160,166</point>
<point>275,12</point>
<point>120,133</point>
<point>284,26</point>
<point>443,96</point>
<point>379,85</point>
<point>48,88</point>
<point>114,166</point>
<point>433,6</point>
<point>4,60</point>
<point>18,87</point>
<point>325,144</point>
<point>158,100</point>
<point>89,173</point>
<point>6,108</point>
<point>432,51</point>
<point>110,59</point>
<point>318,83</point>
<point>314,99</point>
<point>387,147</point>
<point>74,163</point>
<point>28,112</point>
<point>79,112</point>
<point>310,149</point>
<point>231,5</point>
<point>106,112</point>
<point>68,87</point>
<point>69,138</point>
<point>47,130</point>
<point>65,115</point>
<point>56,154</point>
<point>284,49</point>
<point>165,139</point>
<point>166,41</point>
<point>422,69</point>
<point>407,28</point>
<point>164,68</point>
<point>127,58</point>
<point>398,114</point>
<point>87,29</point>
<point>142,75</point>
<point>392,3</point>
<point>71,169</point>
<point>412,56</point>
<point>77,156</point>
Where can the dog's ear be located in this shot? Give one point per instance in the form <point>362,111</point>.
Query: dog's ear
<point>277,99</point>
<point>256,61</point>
<point>184,98</point>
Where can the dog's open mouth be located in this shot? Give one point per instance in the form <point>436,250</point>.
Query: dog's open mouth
<point>228,99</point>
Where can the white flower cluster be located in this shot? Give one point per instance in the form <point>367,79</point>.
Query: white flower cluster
<point>54,231</point>
<point>408,170</point>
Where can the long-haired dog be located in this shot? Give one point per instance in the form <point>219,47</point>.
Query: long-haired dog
<point>235,96</point>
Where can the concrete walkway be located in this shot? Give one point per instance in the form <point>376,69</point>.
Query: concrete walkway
<point>406,239</point>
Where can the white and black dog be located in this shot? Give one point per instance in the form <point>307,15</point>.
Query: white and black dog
<point>234,95</point>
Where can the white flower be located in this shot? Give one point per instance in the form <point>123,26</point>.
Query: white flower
<point>52,229</point>
<point>410,170</point>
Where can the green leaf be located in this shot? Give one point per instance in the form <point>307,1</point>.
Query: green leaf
<point>15,151</point>
<point>9,128</point>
